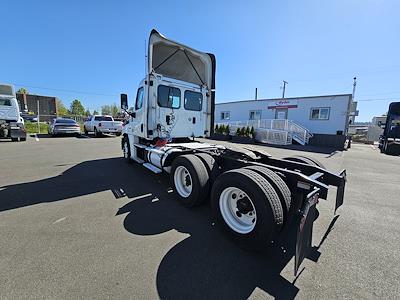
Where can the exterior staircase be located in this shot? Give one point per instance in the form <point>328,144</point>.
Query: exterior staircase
<point>274,131</point>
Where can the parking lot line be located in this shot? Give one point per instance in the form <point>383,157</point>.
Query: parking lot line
<point>59,220</point>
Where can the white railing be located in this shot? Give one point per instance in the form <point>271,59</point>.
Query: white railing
<point>273,131</point>
<point>276,137</point>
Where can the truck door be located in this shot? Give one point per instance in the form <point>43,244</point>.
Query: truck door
<point>168,104</point>
<point>195,113</point>
<point>138,123</point>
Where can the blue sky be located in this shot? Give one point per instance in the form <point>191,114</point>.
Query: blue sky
<point>94,50</point>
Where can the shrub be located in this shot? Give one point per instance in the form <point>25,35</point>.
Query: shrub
<point>238,131</point>
<point>242,131</point>
<point>247,132</point>
<point>221,129</point>
<point>252,133</point>
<point>216,129</point>
<point>227,130</point>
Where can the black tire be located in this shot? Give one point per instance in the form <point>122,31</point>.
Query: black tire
<point>210,164</point>
<point>118,134</point>
<point>306,160</point>
<point>212,168</point>
<point>279,185</point>
<point>96,133</point>
<point>200,179</point>
<point>127,157</point>
<point>85,130</point>
<point>266,202</point>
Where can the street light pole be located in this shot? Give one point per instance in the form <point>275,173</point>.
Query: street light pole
<point>284,88</point>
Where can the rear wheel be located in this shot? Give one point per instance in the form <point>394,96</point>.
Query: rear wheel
<point>278,184</point>
<point>96,133</point>
<point>190,180</point>
<point>306,160</point>
<point>85,130</point>
<point>247,207</point>
<point>118,134</point>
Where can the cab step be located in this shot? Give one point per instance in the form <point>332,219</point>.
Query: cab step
<point>152,168</point>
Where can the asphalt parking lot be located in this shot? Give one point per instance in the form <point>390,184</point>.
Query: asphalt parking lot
<point>66,232</point>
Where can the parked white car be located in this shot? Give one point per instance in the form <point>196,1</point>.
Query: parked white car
<point>102,124</point>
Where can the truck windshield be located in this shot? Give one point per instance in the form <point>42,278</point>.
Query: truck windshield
<point>6,90</point>
<point>394,127</point>
<point>5,102</point>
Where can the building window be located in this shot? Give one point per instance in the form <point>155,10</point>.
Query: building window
<point>255,115</point>
<point>169,96</point>
<point>320,113</point>
<point>225,115</point>
<point>193,100</point>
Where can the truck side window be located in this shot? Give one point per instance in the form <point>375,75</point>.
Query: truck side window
<point>139,98</point>
<point>193,100</point>
<point>169,96</point>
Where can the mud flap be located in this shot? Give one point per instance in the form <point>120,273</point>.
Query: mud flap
<point>340,190</point>
<point>305,227</point>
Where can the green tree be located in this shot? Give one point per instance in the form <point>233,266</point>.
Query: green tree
<point>106,110</point>
<point>61,110</point>
<point>247,132</point>
<point>252,133</point>
<point>238,131</point>
<point>22,91</point>
<point>227,130</point>
<point>95,112</point>
<point>216,129</point>
<point>87,113</point>
<point>77,108</point>
<point>114,110</point>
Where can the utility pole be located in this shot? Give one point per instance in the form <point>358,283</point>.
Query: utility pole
<point>354,87</point>
<point>256,95</point>
<point>284,87</point>
<point>38,125</point>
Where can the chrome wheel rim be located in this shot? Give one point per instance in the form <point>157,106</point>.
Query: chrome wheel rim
<point>237,210</point>
<point>126,149</point>
<point>183,181</point>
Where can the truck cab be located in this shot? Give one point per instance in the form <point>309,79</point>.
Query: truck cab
<point>11,122</point>
<point>176,98</point>
<point>253,196</point>
<point>389,141</point>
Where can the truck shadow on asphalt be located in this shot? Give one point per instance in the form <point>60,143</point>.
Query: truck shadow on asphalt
<point>204,265</point>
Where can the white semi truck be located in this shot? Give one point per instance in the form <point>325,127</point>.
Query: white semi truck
<point>254,196</point>
<point>11,122</point>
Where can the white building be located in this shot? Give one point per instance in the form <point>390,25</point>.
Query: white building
<point>325,115</point>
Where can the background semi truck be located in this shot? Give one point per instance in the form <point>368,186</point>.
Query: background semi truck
<point>254,197</point>
<point>389,141</point>
<point>11,122</point>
